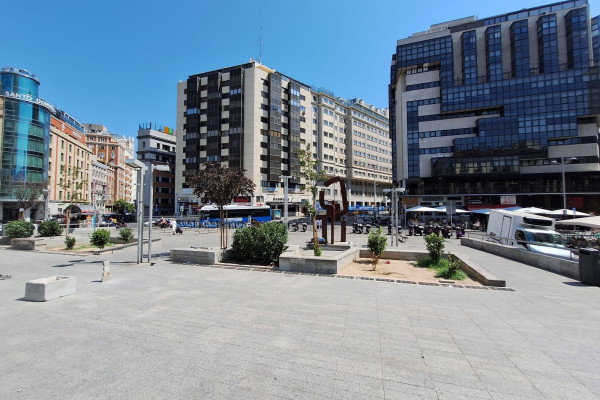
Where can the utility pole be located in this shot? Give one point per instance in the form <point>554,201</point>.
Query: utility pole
<point>285,198</point>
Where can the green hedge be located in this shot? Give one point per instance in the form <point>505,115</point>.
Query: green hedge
<point>50,228</point>
<point>126,234</point>
<point>18,229</point>
<point>100,238</point>
<point>262,244</point>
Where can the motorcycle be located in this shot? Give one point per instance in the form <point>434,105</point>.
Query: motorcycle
<point>460,232</point>
<point>447,231</point>
<point>304,227</point>
<point>357,227</point>
<point>294,225</point>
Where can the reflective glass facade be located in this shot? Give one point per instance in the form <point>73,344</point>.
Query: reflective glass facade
<point>24,131</point>
<point>482,132</point>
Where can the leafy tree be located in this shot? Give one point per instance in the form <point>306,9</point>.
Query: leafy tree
<point>73,184</point>
<point>27,193</point>
<point>376,244</point>
<point>122,207</point>
<point>220,185</point>
<point>312,176</point>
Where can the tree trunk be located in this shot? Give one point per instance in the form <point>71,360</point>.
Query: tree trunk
<point>221,227</point>
<point>316,244</point>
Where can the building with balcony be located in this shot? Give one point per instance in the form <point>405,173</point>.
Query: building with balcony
<point>246,117</point>
<point>485,112</point>
<point>351,140</point>
<point>112,150</point>
<point>156,146</point>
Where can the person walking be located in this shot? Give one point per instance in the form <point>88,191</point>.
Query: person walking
<point>174,225</point>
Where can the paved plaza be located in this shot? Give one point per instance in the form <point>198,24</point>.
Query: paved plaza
<point>172,331</point>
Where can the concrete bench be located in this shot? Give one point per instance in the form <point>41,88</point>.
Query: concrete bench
<point>50,288</point>
<point>26,243</point>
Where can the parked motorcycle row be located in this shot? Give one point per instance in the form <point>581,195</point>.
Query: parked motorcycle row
<point>294,225</point>
<point>444,230</point>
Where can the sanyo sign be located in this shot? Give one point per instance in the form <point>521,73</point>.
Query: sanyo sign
<point>29,98</point>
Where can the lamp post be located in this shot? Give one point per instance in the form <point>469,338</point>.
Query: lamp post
<point>374,196</point>
<point>285,198</point>
<point>563,160</point>
<point>140,167</point>
<point>46,203</point>
<point>153,168</point>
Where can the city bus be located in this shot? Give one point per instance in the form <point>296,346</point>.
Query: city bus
<point>236,213</point>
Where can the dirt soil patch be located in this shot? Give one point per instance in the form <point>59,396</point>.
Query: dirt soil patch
<point>395,269</point>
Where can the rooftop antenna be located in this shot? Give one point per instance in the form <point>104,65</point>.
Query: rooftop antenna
<point>260,46</point>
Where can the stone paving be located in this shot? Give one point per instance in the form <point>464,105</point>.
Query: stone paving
<point>183,331</point>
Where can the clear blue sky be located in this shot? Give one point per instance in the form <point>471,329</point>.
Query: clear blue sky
<point>117,62</point>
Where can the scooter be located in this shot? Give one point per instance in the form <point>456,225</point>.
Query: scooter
<point>294,225</point>
<point>304,227</point>
<point>447,231</point>
<point>460,232</point>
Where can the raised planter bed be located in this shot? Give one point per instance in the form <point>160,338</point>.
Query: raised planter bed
<point>50,288</point>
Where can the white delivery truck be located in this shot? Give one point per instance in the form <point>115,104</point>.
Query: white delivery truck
<point>529,231</point>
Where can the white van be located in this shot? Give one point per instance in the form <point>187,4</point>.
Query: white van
<point>528,231</point>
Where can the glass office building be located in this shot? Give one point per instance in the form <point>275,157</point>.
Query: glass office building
<point>485,112</point>
<point>24,135</point>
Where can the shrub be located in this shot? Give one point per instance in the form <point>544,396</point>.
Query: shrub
<point>100,238</point>
<point>126,234</point>
<point>50,228</point>
<point>269,242</point>
<point>18,229</point>
<point>435,246</point>
<point>70,242</point>
<point>376,244</point>
<point>243,243</point>
<point>261,244</point>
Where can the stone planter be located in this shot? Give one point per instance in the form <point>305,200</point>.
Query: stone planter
<point>26,243</point>
<point>50,288</point>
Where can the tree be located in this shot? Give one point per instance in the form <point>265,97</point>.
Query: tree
<point>72,183</point>
<point>122,207</point>
<point>27,193</point>
<point>220,185</point>
<point>312,176</point>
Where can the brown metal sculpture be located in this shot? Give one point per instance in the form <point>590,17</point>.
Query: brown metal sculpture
<point>333,211</point>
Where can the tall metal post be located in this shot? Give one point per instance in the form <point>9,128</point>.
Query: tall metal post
<point>374,196</point>
<point>564,187</point>
<point>285,198</point>
<point>140,215</point>
<point>150,210</point>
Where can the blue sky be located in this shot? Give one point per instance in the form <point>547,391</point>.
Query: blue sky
<point>117,62</point>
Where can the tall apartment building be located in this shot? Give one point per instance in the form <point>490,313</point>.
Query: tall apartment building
<point>246,117</point>
<point>489,111</point>
<point>351,139</point>
<point>69,163</point>
<point>113,151</point>
<point>156,146</point>
<point>24,138</point>
<point>101,177</point>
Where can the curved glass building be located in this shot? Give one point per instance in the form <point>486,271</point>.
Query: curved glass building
<point>24,136</point>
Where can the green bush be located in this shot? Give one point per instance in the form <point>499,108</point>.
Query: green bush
<point>243,243</point>
<point>50,228</point>
<point>18,229</point>
<point>70,242</point>
<point>435,246</point>
<point>376,243</point>
<point>100,238</point>
<point>450,269</point>
<point>126,234</point>
<point>262,244</point>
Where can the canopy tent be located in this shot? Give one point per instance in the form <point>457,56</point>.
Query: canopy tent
<point>591,222</point>
<point>535,210</point>
<point>569,213</point>
<point>484,211</point>
<point>422,209</point>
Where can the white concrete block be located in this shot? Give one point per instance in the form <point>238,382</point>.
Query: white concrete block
<point>50,288</point>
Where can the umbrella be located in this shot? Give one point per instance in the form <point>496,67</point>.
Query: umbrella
<point>592,222</point>
<point>484,211</point>
<point>535,210</point>
<point>569,213</point>
<point>422,209</point>
<point>456,210</point>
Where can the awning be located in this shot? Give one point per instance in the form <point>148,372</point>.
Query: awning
<point>80,209</point>
<point>592,222</point>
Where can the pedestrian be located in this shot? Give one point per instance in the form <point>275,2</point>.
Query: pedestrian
<point>174,225</point>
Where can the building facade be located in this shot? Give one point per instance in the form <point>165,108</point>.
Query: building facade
<point>246,117</point>
<point>156,146</point>
<point>491,111</point>
<point>100,176</point>
<point>113,151</point>
<point>351,140</point>
<point>69,163</point>
<point>24,139</point>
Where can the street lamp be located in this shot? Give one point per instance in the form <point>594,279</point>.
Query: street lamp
<point>564,160</point>
<point>285,198</point>
<point>46,203</point>
<point>153,168</point>
<point>140,167</point>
